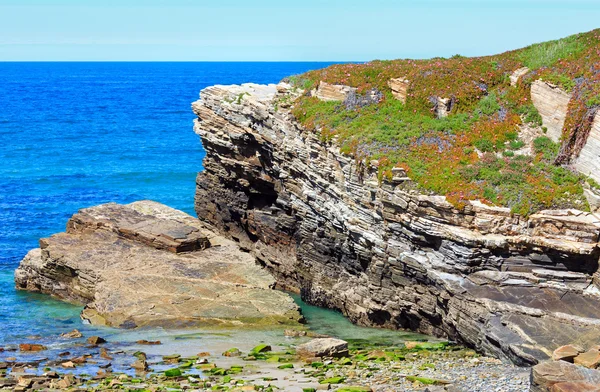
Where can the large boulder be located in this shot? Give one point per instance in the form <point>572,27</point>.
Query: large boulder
<point>324,347</point>
<point>147,264</point>
<point>548,375</point>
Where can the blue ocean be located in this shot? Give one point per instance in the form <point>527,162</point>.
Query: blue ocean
<point>74,135</point>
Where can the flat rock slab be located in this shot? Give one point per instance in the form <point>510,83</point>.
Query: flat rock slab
<point>547,375</point>
<point>146,264</point>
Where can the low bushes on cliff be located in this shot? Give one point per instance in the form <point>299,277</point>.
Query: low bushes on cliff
<point>474,152</point>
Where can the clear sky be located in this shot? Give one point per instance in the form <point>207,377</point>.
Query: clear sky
<point>256,30</point>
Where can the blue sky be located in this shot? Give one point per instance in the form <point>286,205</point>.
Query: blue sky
<point>265,30</point>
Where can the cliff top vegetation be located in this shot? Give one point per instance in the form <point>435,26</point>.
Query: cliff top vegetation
<point>479,150</point>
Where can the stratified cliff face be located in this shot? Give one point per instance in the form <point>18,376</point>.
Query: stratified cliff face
<point>382,253</point>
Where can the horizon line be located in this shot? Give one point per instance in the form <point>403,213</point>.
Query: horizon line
<point>188,61</point>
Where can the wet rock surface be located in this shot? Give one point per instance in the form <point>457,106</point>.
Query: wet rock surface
<point>145,264</point>
<point>270,366</point>
<point>380,252</point>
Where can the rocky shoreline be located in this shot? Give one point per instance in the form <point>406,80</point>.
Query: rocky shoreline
<point>279,208</point>
<point>294,362</point>
<point>326,225</point>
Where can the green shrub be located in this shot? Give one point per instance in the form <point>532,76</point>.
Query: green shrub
<point>560,80</point>
<point>530,114</point>
<point>484,145</point>
<point>489,105</point>
<point>545,146</point>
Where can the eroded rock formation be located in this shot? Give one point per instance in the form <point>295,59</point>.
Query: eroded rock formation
<point>588,161</point>
<point>380,252</point>
<point>399,88</point>
<point>147,264</point>
<point>552,102</point>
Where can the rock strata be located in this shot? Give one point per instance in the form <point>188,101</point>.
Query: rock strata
<point>552,103</point>
<point>333,92</point>
<point>147,264</point>
<point>383,254</point>
<point>399,88</point>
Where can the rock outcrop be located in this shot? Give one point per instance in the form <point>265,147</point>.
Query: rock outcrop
<point>551,102</point>
<point>588,161</point>
<point>562,376</point>
<point>147,264</point>
<point>518,74</point>
<point>399,88</point>
<point>333,92</point>
<point>384,254</point>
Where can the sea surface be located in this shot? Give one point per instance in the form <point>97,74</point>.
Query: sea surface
<point>74,135</point>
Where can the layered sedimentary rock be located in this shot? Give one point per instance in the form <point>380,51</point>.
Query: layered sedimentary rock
<point>147,264</point>
<point>562,376</point>
<point>384,254</point>
<point>551,102</point>
<point>588,161</point>
<point>333,92</point>
<point>399,88</point>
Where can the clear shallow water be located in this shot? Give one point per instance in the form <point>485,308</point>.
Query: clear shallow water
<point>73,135</point>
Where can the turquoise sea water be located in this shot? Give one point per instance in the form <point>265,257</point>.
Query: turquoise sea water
<point>73,135</point>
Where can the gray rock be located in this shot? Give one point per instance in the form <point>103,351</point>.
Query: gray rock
<point>323,347</point>
<point>384,255</point>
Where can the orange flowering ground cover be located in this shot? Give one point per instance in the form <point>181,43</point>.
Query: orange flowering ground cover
<point>474,152</point>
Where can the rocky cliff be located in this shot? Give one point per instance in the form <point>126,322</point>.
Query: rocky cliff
<point>385,255</point>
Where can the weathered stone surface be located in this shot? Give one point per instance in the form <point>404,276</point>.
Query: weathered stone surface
<point>324,347</point>
<point>574,387</point>
<point>74,334</point>
<point>399,88</point>
<point>566,353</point>
<point>442,106</point>
<point>588,161</point>
<point>517,74</point>
<point>551,102</point>
<point>94,340</point>
<point>127,264</point>
<point>546,375</point>
<point>31,347</point>
<point>385,255</point>
<point>590,359</point>
<point>333,92</point>
<point>140,365</point>
<point>593,197</point>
